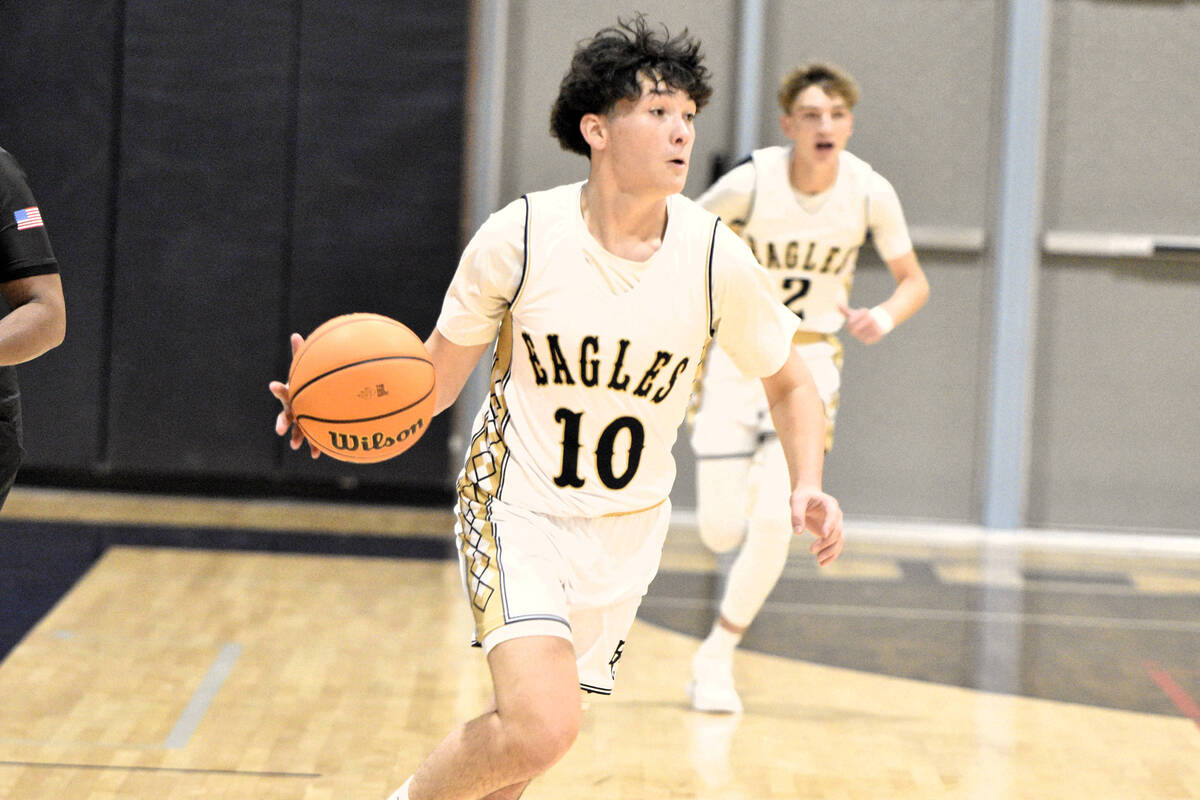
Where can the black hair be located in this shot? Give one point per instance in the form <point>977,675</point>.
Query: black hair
<point>606,69</point>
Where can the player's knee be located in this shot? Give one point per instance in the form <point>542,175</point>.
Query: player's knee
<point>770,532</point>
<point>544,737</point>
<point>721,529</point>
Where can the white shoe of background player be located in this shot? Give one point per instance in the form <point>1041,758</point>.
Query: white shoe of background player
<point>711,687</point>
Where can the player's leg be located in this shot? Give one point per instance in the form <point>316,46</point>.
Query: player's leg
<point>755,570</point>
<point>723,437</point>
<point>513,577</point>
<point>721,499</point>
<point>536,719</point>
<point>761,560</point>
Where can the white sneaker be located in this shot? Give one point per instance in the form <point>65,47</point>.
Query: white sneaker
<point>711,686</point>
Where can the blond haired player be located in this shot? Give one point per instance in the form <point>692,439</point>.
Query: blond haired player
<point>600,297</point>
<point>805,210</point>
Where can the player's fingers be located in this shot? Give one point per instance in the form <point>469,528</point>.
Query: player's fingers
<point>826,509</point>
<point>280,390</point>
<point>845,309</point>
<point>282,422</point>
<point>297,342</point>
<point>828,555</point>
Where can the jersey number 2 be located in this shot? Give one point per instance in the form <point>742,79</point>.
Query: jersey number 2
<point>569,475</point>
<point>788,283</point>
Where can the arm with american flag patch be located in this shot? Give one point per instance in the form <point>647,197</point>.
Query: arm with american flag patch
<point>29,279</point>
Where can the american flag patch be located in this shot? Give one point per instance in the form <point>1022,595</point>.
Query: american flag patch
<point>28,218</point>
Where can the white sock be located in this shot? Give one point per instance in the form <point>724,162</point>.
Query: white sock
<point>401,793</point>
<point>721,643</point>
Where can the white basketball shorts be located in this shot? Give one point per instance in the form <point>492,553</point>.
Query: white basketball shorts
<point>732,417</point>
<point>581,578</point>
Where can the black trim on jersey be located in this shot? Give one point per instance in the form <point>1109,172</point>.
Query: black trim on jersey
<point>867,210</point>
<point>525,246</point>
<point>594,689</point>
<point>753,191</point>
<point>712,246</point>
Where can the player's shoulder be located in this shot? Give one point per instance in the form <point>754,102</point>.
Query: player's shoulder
<point>867,177</point>
<point>559,199</point>
<point>503,227</point>
<point>853,165</point>
<point>772,157</point>
<point>685,211</point>
<point>730,252</point>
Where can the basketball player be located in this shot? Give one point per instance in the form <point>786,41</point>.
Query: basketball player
<point>805,210</point>
<point>37,319</point>
<point>600,297</point>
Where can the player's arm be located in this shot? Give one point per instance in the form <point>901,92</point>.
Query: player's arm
<point>799,418</point>
<point>912,287</point>
<point>452,366</point>
<point>869,325</point>
<point>889,231</point>
<point>37,321</point>
<point>757,332</point>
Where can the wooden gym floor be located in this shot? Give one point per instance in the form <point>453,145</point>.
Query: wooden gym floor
<point>200,656</point>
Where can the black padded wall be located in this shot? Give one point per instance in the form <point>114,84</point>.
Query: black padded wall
<point>378,170</point>
<point>201,207</point>
<point>215,176</point>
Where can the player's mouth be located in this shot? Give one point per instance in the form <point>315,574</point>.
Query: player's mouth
<point>824,147</point>
<point>677,162</point>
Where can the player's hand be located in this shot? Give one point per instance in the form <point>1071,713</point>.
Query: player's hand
<point>285,422</point>
<point>861,324</point>
<point>819,514</point>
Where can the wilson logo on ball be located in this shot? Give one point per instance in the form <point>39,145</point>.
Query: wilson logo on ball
<point>347,443</point>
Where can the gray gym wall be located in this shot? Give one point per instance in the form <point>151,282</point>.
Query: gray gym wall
<point>1114,384</point>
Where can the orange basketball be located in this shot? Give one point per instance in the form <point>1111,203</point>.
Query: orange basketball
<point>362,388</point>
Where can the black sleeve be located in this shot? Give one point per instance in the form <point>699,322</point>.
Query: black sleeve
<point>24,246</point>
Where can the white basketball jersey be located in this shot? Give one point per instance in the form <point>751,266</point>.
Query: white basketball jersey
<point>589,383</point>
<point>810,248</point>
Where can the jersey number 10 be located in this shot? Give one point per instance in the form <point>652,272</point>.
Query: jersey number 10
<point>569,475</point>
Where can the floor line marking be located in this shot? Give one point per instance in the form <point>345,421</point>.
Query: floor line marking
<point>1062,620</point>
<point>1176,693</point>
<point>203,697</point>
<point>135,768</point>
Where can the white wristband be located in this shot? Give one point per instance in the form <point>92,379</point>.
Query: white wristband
<point>883,319</point>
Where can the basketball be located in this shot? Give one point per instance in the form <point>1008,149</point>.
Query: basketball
<point>362,388</point>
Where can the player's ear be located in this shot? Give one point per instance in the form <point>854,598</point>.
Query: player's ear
<point>785,124</point>
<point>594,129</point>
